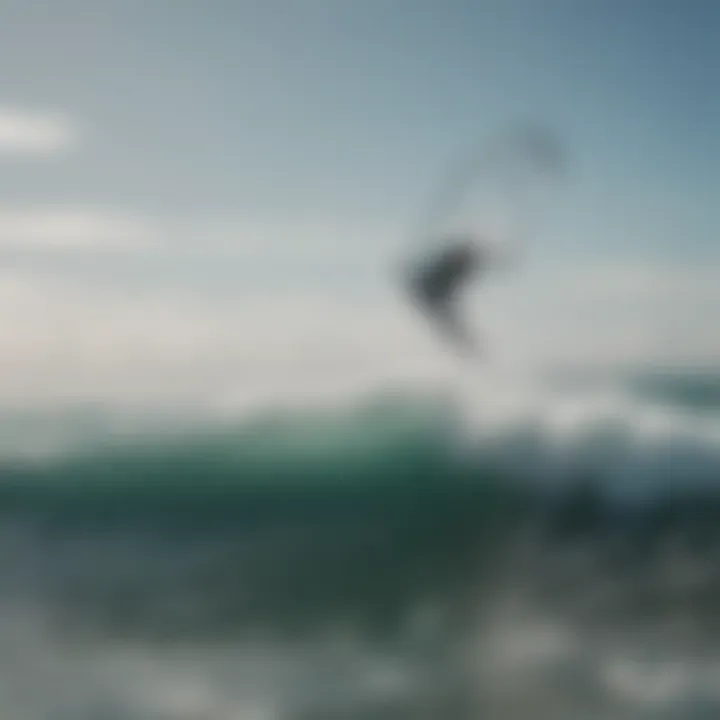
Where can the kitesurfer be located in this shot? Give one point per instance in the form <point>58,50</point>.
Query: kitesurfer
<point>435,285</point>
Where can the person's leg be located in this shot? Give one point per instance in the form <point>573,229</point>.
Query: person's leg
<point>447,318</point>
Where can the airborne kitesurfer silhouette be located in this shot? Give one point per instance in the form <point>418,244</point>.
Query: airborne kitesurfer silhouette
<point>510,177</point>
<point>437,283</point>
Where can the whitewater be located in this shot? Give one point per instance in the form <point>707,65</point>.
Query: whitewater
<point>489,546</point>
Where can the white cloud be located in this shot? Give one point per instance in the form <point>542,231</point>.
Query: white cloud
<point>612,313</point>
<point>297,240</point>
<point>61,339</point>
<point>73,227</point>
<point>75,341</point>
<point>90,227</point>
<point>29,132</point>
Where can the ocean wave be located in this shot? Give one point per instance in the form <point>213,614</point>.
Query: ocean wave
<point>315,563</point>
<point>322,501</point>
<point>524,431</point>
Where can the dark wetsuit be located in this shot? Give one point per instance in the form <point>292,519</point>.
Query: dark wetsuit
<point>436,284</point>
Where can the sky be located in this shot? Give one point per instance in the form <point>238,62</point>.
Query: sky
<point>196,192</point>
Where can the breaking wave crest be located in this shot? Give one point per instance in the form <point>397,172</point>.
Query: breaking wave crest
<point>295,563</point>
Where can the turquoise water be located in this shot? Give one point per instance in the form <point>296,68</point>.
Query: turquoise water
<point>323,563</point>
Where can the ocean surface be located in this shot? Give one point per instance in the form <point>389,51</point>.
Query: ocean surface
<point>548,551</point>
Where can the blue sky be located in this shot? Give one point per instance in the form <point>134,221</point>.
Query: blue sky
<point>348,109</point>
<point>279,123</point>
